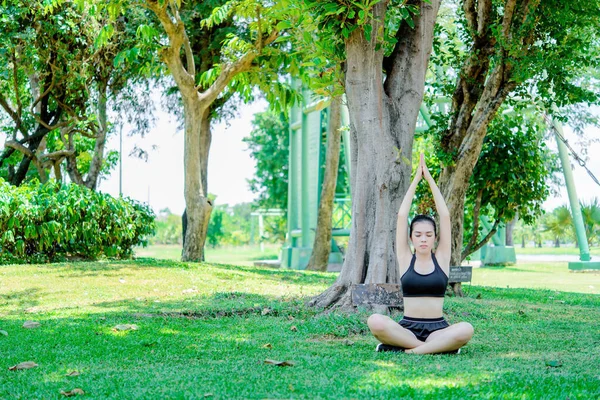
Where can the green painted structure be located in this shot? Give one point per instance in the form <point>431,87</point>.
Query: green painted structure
<point>584,262</point>
<point>308,137</point>
<point>499,253</point>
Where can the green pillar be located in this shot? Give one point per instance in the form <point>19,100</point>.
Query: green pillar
<point>584,251</point>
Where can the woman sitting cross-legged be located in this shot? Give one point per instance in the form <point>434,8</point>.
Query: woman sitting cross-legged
<point>424,277</point>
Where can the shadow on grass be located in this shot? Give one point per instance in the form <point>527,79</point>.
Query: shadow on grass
<point>22,299</point>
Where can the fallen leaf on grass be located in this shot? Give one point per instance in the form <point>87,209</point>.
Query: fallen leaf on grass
<point>73,392</point>
<point>265,311</point>
<point>73,373</point>
<point>126,327</point>
<point>3,333</point>
<point>268,346</point>
<point>347,342</point>
<point>190,291</point>
<point>279,363</point>
<point>31,325</point>
<point>554,363</point>
<point>293,328</point>
<point>23,365</point>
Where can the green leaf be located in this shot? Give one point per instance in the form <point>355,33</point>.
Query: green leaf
<point>284,25</point>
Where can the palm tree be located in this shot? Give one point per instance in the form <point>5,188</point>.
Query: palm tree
<point>559,224</point>
<point>591,220</point>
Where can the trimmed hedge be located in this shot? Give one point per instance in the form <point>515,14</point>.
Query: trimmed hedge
<point>57,222</point>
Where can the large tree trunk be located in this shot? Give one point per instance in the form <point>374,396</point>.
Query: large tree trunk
<point>319,258</point>
<point>382,125</point>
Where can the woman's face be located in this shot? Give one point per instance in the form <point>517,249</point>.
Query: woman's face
<point>423,237</point>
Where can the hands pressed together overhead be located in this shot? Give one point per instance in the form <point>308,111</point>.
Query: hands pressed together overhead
<point>422,170</point>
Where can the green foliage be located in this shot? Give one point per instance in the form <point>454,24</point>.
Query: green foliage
<point>559,224</point>
<point>513,170</point>
<point>59,68</point>
<point>42,223</point>
<point>168,228</point>
<point>215,228</point>
<point>268,143</point>
<point>591,220</point>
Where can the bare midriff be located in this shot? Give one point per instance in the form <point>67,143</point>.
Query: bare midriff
<point>423,307</point>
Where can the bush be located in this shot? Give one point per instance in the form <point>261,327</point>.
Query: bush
<point>55,222</point>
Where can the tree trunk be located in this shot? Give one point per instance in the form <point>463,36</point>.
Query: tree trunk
<point>205,140</point>
<point>198,207</point>
<point>510,228</point>
<point>557,242</point>
<point>98,158</point>
<point>481,89</point>
<point>319,258</point>
<point>382,125</point>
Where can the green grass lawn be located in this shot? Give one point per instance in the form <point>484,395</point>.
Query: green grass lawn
<point>538,275</point>
<point>564,250</point>
<point>204,331</point>
<point>241,255</point>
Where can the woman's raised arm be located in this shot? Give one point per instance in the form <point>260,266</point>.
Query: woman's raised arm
<point>444,248</point>
<point>402,247</point>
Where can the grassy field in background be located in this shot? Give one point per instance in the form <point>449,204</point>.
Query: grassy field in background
<point>246,255</point>
<point>565,250</point>
<point>205,331</point>
<point>242,255</point>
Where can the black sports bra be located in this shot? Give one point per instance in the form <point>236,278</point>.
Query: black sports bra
<point>429,285</point>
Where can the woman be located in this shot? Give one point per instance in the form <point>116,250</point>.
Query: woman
<point>424,277</point>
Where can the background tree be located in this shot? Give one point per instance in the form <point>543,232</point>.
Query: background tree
<point>61,83</point>
<point>536,51</point>
<point>559,224</point>
<point>591,220</point>
<point>268,144</point>
<point>238,56</point>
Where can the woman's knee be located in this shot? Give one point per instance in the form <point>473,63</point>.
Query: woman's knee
<point>377,323</point>
<point>465,332</point>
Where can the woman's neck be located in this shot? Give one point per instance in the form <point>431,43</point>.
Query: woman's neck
<point>423,257</point>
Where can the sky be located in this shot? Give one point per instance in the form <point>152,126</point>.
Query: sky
<point>160,180</point>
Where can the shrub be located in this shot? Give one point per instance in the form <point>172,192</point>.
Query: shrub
<point>54,222</point>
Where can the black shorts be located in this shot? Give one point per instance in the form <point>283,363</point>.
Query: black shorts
<point>423,327</point>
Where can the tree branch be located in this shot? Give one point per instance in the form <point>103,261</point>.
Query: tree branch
<point>509,11</point>
<point>475,234</point>
<point>484,13</point>
<point>58,155</point>
<point>470,15</point>
<point>171,54</point>
<point>16,85</point>
<point>189,55</point>
<point>231,70</point>
<point>15,117</point>
<point>487,237</point>
<point>20,148</point>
